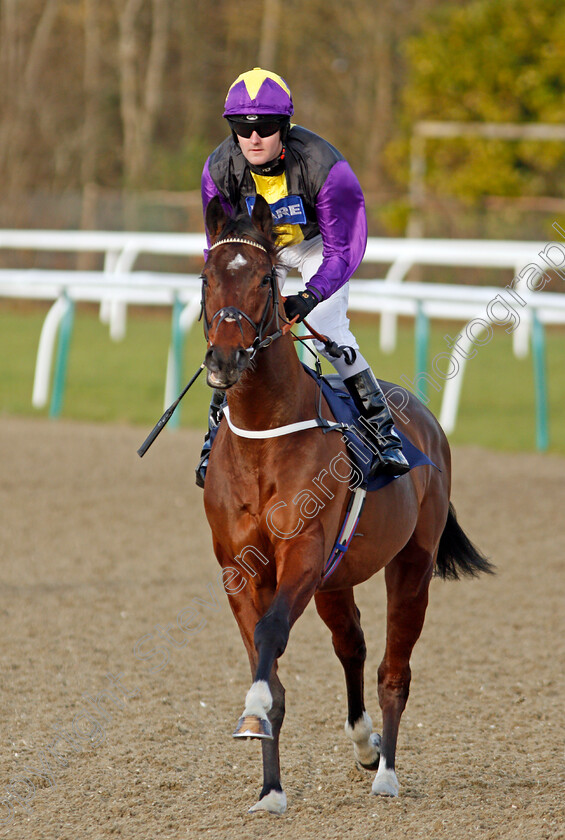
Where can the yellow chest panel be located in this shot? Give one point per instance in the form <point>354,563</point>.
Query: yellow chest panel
<point>273,188</point>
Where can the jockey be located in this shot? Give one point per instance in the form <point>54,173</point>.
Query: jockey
<point>319,212</point>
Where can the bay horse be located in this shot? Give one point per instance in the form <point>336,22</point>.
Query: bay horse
<point>264,519</point>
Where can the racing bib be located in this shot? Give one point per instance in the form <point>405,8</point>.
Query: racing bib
<point>287,210</point>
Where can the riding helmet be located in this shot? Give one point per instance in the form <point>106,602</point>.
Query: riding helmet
<point>258,92</point>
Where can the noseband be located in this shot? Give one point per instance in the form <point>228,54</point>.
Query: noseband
<point>231,314</point>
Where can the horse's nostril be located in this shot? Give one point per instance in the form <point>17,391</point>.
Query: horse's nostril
<point>211,360</point>
<point>242,359</point>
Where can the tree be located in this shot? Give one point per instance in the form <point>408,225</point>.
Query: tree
<point>140,83</point>
<point>25,51</point>
<point>490,61</point>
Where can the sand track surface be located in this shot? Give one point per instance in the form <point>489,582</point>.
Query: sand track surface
<point>98,547</point>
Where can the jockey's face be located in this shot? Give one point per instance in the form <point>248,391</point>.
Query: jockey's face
<point>260,150</point>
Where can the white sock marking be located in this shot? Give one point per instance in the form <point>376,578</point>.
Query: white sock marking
<point>365,742</point>
<point>385,783</point>
<point>274,802</point>
<point>259,699</point>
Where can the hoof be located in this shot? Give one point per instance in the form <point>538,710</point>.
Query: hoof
<point>252,726</point>
<point>375,742</point>
<point>274,803</point>
<point>386,783</point>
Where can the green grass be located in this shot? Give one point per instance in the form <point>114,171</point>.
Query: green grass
<point>124,382</point>
<point>497,407</point>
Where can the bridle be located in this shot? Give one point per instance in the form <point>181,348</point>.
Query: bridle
<point>233,314</point>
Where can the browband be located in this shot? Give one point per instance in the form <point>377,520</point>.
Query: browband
<point>234,239</point>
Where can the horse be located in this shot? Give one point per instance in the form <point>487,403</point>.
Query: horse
<point>272,535</point>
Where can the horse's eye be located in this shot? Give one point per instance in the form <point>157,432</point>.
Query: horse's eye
<point>266,280</point>
<point>204,279</point>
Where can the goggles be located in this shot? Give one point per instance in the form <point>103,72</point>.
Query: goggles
<point>265,127</point>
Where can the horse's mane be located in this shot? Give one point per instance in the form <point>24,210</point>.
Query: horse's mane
<point>241,225</point>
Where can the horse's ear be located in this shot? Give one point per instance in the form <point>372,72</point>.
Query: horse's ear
<point>262,217</point>
<point>215,218</point>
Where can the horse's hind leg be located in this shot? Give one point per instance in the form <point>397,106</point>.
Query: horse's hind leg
<point>407,578</point>
<point>339,611</point>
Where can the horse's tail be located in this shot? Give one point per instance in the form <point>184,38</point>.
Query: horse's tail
<point>457,555</point>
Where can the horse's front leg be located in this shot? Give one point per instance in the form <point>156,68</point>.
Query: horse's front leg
<point>262,708</point>
<point>297,578</point>
<point>265,705</point>
<point>272,797</point>
<point>263,718</point>
<point>296,586</point>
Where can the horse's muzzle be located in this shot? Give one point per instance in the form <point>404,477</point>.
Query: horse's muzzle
<point>224,369</point>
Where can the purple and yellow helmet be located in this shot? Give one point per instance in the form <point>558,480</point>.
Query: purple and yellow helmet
<point>258,92</point>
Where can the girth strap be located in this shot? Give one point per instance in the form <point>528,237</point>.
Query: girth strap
<point>352,517</point>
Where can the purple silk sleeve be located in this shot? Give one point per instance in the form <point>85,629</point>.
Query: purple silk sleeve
<point>209,190</point>
<point>342,220</point>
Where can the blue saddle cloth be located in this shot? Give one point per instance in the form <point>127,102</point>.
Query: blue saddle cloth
<point>344,411</point>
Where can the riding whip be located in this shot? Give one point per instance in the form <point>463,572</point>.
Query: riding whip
<point>160,425</point>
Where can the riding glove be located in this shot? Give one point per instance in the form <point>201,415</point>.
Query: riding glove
<point>301,304</point>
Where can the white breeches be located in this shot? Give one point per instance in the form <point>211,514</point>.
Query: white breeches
<point>330,316</point>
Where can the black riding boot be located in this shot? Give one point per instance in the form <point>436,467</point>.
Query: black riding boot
<point>371,403</point>
<point>214,417</point>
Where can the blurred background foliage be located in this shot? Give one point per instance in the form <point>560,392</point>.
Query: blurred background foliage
<point>108,106</point>
<point>500,62</point>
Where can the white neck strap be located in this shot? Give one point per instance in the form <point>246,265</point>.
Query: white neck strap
<point>279,430</point>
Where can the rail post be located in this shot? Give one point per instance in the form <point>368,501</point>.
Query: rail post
<point>540,382</point>
<point>176,353</point>
<point>421,345</point>
<point>61,361</point>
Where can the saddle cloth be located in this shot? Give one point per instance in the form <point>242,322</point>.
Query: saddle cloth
<point>356,434</point>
